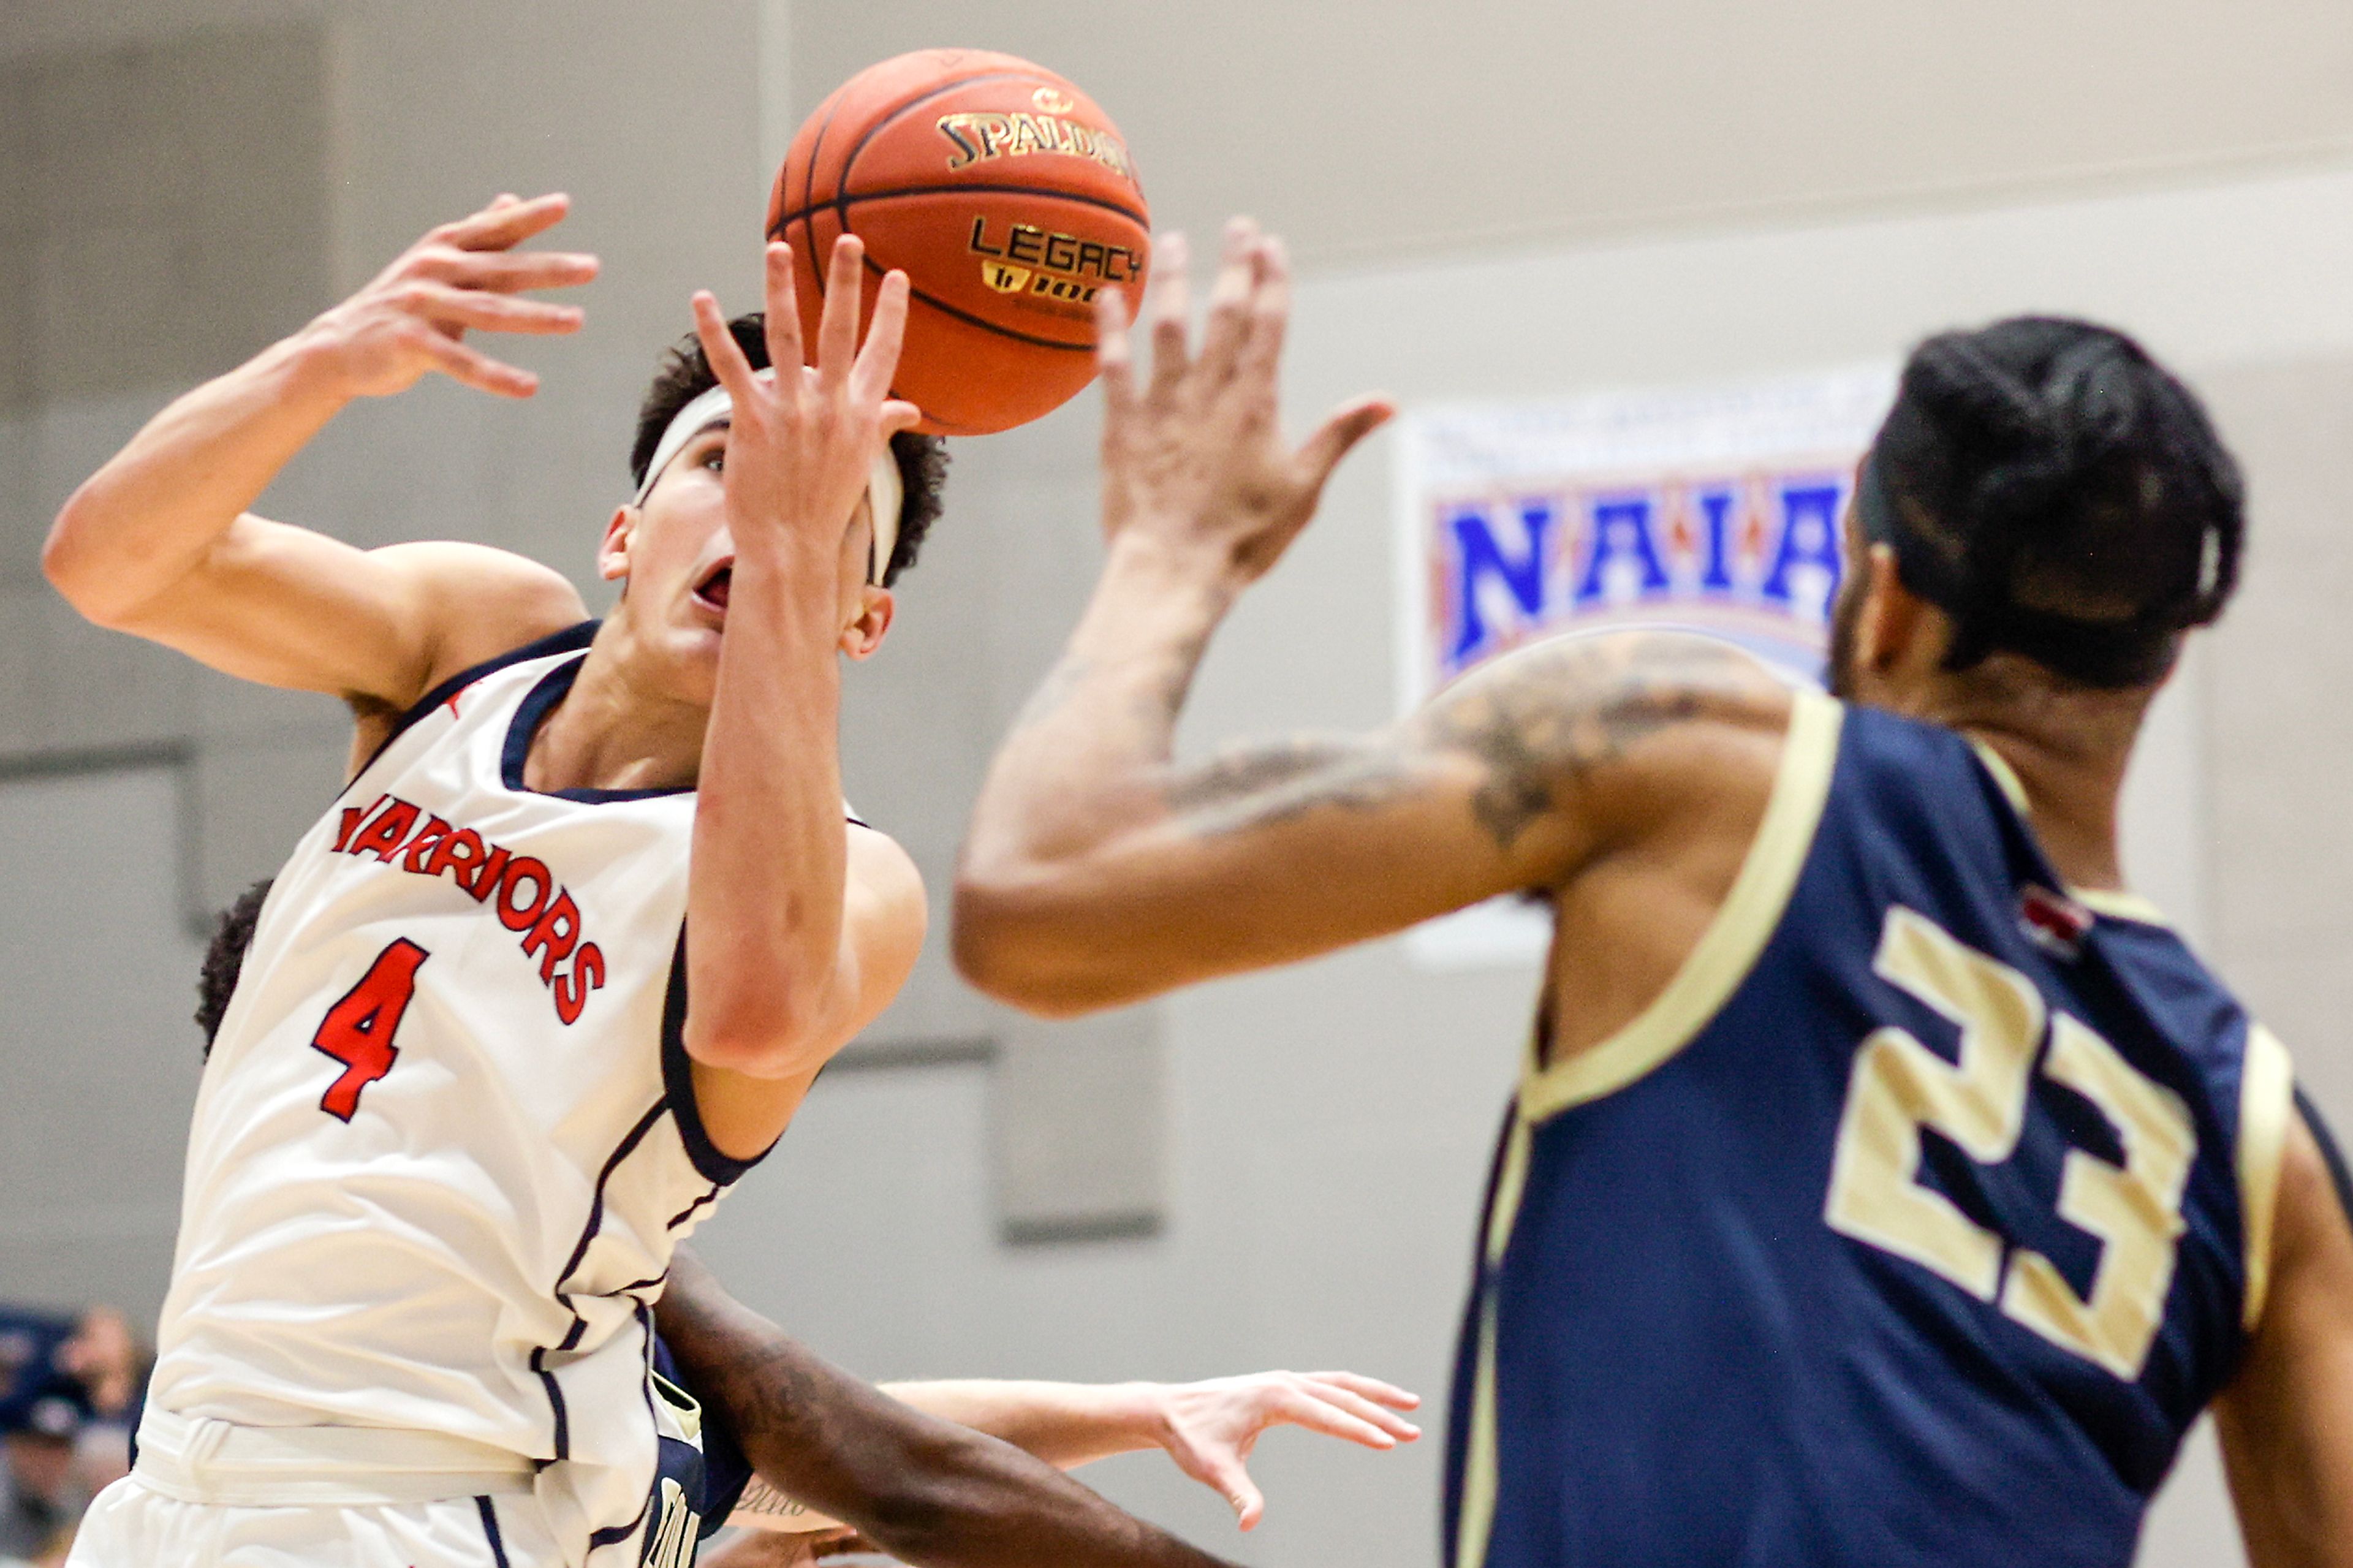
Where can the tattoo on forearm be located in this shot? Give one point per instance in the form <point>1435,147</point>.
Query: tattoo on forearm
<point>1256,785</point>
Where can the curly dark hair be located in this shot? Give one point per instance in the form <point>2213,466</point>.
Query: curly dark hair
<point>2061,495</point>
<point>216,981</point>
<point>684,375</point>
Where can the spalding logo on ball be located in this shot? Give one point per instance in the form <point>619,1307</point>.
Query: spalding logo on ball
<point>1005,194</point>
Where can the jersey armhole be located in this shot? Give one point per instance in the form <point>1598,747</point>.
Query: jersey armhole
<point>568,640</point>
<point>1728,949</point>
<point>2266,1094</point>
<point>678,1084</point>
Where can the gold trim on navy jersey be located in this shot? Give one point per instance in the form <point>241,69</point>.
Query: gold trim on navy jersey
<point>1727,950</point>
<point>2266,1095</point>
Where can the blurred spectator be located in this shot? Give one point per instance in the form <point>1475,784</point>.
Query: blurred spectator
<point>70,1388</point>
<point>41,1491</point>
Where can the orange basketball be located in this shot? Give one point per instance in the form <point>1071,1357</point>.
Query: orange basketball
<point>1006,196</point>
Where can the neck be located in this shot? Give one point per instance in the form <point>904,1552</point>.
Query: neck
<point>2069,747</point>
<point>617,727</point>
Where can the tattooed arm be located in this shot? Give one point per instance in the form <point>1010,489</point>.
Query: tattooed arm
<point>1097,871</point>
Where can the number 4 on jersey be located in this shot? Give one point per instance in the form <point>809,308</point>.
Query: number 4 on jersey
<point>358,1029</point>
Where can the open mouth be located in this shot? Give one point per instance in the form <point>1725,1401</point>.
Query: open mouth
<point>712,591</point>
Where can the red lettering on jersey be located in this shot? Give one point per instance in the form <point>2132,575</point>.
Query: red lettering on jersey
<point>513,912</point>
<point>587,973</point>
<point>487,876</point>
<point>553,937</point>
<point>381,838</point>
<point>353,817</point>
<point>428,836</point>
<point>358,1029</point>
<point>528,900</point>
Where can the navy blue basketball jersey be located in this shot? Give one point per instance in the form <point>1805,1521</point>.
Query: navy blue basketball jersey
<point>1913,1223</point>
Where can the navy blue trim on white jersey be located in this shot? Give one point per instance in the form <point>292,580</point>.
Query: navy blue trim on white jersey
<point>530,714</point>
<point>612,1533</point>
<point>637,1135</point>
<point>490,1529</point>
<point>678,1082</point>
<point>564,641</point>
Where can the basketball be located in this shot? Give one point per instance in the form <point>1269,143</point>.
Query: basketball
<point>1005,194</point>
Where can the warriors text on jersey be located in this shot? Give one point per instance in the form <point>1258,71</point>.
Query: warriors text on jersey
<point>1914,1223</point>
<point>447,1139</point>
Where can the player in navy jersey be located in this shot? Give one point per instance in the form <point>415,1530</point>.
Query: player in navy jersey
<point>1885,1185</point>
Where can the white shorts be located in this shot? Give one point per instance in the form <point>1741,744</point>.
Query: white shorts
<point>133,1526</point>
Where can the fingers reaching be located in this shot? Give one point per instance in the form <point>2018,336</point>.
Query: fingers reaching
<point>837,331</point>
<point>505,223</point>
<point>1114,357</point>
<point>473,368</point>
<point>1338,434</point>
<point>784,316</point>
<point>1169,305</point>
<point>878,359</point>
<point>1372,1388</point>
<point>1232,299</point>
<point>721,349</point>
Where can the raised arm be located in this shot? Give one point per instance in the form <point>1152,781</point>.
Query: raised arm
<point>1097,871</point>
<point>930,1492</point>
<point>1208,1428</point>
<point>159,542</point>
<point>798,931</point>
<point>2287,1420</point>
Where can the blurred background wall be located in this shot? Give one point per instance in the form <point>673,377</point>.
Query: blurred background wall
<point>1486,200</point>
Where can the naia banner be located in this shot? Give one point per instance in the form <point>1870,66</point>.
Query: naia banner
<point>1716,509</point>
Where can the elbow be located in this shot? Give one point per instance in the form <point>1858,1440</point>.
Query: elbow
<point>778,1042</point>
<point>1012,950</point>
<point>69,567</point>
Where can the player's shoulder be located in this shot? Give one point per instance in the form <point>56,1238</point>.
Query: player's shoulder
<point>1586,701</point>
<point>480,601</point>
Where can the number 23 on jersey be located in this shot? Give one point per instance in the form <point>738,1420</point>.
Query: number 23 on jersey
<point>1898,1086</point>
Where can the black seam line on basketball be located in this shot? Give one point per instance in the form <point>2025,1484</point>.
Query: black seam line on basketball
<point>937,303</point>
<point>808,189</point>
<point>808,186</point>
<point>840,205</point>
<point>876,129</point>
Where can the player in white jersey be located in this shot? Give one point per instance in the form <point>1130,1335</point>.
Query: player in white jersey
<point>479,1081</point>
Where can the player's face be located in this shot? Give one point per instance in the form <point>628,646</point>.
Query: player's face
<point>677,555</point>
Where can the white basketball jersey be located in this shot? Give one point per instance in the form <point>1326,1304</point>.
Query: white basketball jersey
<point>447,1140</point>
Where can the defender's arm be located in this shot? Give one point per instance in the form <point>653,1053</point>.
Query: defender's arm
<point>926,1490</point>
<point>2287,1420</point>
<point>1097,872</point>
<point>159,542</point>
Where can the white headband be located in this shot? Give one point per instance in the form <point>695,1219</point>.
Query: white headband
<point>883,487</point>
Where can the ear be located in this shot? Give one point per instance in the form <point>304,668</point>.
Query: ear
<point>613,552</point>
<point>863,635</point>
<point>1893,621</point>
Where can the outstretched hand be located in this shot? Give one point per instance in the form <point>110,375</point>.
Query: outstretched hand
<point>800,446</point>
<point>467,275</point>
<point>1210,1428</point>
<point>1195,458</point>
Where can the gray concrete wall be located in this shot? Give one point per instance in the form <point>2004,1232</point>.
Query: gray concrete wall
<point>1500,202</point>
